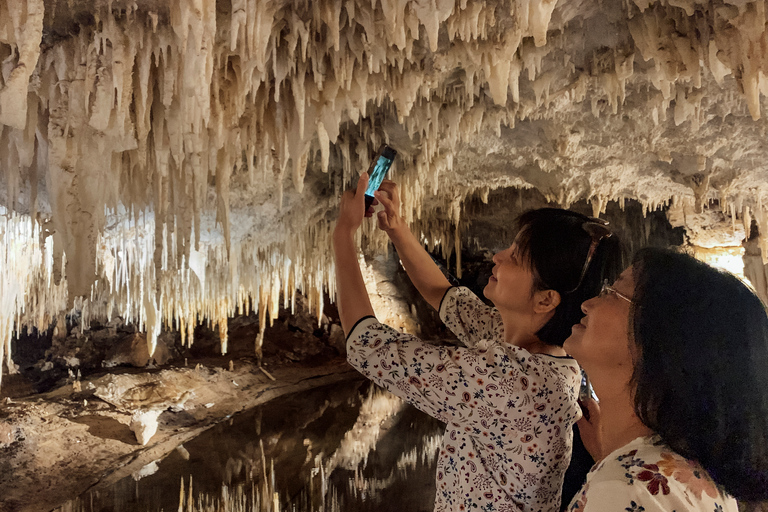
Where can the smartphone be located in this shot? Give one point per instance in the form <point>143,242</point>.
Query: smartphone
<point>377,171</point>
<point>586,391</point>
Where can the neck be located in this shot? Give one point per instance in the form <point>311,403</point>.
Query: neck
<point>520,330</point>
<point>619,423</point>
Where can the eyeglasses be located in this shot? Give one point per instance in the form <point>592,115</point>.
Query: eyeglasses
<point>606,289</point>
<point>597,229</point>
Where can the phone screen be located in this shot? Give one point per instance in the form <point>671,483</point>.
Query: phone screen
<point>378,170</point>
<point>378,173</point>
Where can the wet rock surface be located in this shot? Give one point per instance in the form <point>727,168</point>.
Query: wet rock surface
<point>88,407</point>
<point>58,445</point>
<point>344,447</point>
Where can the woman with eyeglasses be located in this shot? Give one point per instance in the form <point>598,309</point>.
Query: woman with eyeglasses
<point>677,352</point>
<point>509,395</point>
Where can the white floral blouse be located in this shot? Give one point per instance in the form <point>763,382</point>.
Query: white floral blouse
<point>509,413</point>
<point>647,476</point>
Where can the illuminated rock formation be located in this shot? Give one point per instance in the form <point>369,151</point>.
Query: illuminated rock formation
<point>178,162</point>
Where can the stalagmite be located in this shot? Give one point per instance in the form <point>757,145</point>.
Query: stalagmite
<point>144,424</point>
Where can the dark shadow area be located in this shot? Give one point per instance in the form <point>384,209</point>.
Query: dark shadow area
<point>283,449</point>
<point>107,428</point>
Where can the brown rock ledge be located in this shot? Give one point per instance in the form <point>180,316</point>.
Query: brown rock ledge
<point>57,445</point>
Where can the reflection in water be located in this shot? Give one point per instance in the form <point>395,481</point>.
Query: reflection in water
<point>346,447</point>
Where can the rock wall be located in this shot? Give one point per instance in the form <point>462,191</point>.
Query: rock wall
<point>177,163</point>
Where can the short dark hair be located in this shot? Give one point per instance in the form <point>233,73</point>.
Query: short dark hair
<point>555,245</point>
<point>701,368</point>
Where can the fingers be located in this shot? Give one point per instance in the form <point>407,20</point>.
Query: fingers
<point>357,194</point>
<point>390,187</point>
<point>362,184</point>
<point>591,411</point>
<point>594,407</point>
<point>387,195</point>
<point>386,202</point>
<point>352,206</point>
<point>383,220</point>
<point>584,409</point>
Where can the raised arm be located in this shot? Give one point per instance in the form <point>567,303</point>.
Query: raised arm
<point>351,294</point>
<point>422,270</point>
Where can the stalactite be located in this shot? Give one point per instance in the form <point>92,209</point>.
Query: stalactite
<point>21,24</point>
<point>174,122</point>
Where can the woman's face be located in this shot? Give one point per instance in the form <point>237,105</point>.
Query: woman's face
<point>600,342</point>
<point>511,281</point>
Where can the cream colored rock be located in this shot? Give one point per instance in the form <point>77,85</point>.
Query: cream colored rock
<point>144,424</point>
<point>181,162</point>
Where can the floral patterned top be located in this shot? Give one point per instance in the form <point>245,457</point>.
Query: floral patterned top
<point>647,476</point>
<point>509,413</point>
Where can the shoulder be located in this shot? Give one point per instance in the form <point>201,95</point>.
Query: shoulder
<point>613,495</point>
<point>646,475</point>
<point>462,299</point>
<point>565,365</point>
<point>561,372</point>
<point>368,330</point>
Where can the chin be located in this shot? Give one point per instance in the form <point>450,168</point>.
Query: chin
<point>571,341</point>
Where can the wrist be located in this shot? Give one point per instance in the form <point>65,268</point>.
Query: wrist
<point>341,232</point>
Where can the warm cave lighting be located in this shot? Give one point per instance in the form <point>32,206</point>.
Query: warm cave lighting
<point>29,295</point>
<point>172,164</point>
<point>730,259</point>
<point>227,130</point>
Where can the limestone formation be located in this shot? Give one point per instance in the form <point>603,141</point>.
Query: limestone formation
<point>180,162</point>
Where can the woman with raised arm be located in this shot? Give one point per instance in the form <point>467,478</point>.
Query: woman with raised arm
<point>677,352</point>
<point>509,396</point>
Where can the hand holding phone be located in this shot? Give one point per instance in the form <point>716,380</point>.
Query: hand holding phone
<point>380,164</point>
<point>389,219</point>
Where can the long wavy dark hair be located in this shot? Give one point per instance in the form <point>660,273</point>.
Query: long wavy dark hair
<point>555,245</point>
<point>701,368</point>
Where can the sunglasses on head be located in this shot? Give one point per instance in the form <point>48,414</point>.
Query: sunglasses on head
<point>597,229</point>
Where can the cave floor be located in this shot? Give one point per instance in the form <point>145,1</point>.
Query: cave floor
<point>57,445</point>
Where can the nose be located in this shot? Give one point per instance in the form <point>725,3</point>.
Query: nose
<point>587,305</point>
<point>496,256</point>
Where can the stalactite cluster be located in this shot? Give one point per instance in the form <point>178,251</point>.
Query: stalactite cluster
<point>133,148</point>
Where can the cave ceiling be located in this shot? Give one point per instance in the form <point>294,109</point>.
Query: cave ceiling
<point>178,162</point>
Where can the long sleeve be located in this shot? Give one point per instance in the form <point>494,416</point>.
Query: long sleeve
<point>431,378</point>
<point>509,413</point>
<point>471,387</point>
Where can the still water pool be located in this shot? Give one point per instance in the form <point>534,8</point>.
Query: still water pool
<point>347,447</point>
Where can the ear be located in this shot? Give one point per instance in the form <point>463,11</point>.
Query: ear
<point>546,301</point>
